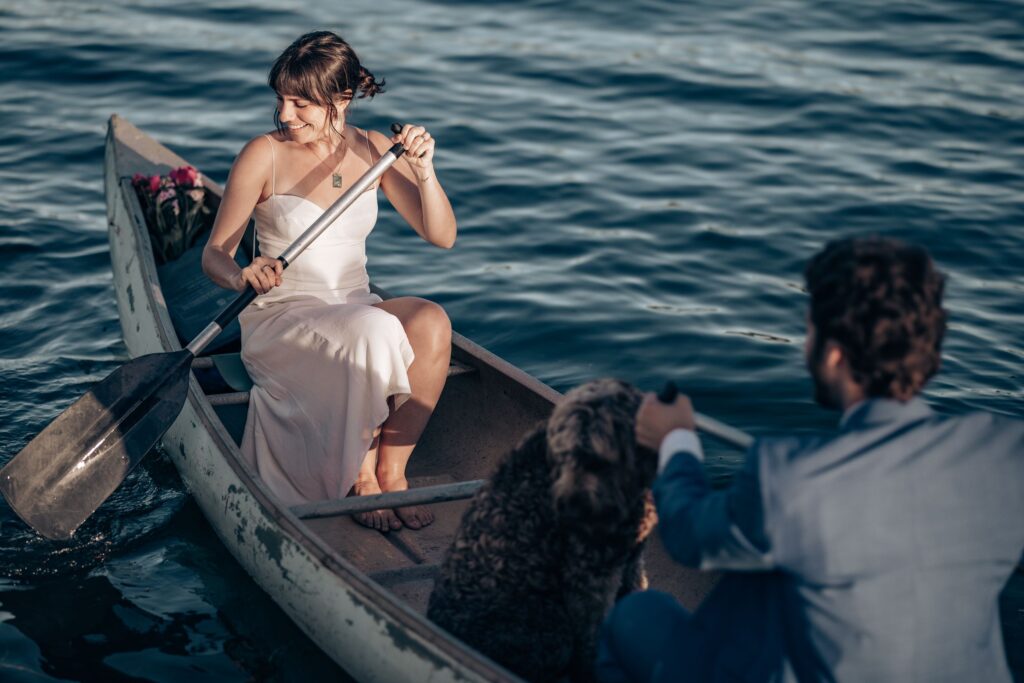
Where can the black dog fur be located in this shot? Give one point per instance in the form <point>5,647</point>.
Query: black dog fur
<point>552,539</point>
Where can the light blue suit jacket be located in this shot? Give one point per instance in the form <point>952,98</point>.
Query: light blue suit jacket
<point>893,537</point>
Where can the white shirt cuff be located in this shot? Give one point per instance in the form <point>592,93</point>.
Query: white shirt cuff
<point>679,440</point>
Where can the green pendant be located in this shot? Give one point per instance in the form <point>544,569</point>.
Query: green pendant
<point>336,180</point>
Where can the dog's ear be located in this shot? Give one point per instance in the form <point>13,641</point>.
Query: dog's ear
<point>591,448</point>
<point>583,433</point>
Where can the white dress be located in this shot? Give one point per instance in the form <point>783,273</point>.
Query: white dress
<point>323,360</point>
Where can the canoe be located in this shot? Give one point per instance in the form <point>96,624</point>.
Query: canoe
<point>360,595</point>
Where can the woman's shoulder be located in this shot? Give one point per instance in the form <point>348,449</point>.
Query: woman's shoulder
<point>263,143</point>
<point>259,150</point>
<point>255,161</point>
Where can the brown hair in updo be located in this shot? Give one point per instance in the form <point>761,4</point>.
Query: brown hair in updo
<point>321,67</point>
<point>880,299</point>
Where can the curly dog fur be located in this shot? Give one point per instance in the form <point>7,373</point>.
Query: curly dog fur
<point>552,539</point>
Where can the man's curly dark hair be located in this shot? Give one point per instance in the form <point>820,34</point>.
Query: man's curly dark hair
<point>880,299</point>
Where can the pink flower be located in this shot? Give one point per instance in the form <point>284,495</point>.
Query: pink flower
<point>138,179</point>
<point>185,176</point>
<point>196,195</point>
<point>154,183</point>
<point>164,195</point>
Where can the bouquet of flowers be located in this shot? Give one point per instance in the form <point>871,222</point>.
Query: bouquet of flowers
<point>175,208</point>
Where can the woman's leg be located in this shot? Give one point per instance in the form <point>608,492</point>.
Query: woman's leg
<point>430,334</point>
<point>367,485</point>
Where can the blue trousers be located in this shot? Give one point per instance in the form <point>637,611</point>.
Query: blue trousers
<point>735,635</point>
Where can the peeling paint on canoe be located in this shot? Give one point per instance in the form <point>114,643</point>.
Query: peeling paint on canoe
<point>240,531</point>
<point>131,298</point>
<point>402,641</point>
<point>272,543</point>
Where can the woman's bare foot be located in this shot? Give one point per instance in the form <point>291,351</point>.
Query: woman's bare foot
<point>367,485</point>
<point>413,516</point>
<point>381,520</point>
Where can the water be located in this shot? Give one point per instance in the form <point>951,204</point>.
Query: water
<point>638,186</point>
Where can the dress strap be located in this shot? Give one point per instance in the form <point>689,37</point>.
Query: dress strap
<point>369,153</point>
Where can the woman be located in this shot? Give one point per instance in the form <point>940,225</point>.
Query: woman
<point>338,402</point>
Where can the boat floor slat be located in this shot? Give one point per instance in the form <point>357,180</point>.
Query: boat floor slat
<point>404,561</point>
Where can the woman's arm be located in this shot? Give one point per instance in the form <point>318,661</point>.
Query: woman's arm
<point>245,186</point>
<point>412,187</point>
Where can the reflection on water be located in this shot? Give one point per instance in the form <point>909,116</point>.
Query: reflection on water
<point>176,607</point>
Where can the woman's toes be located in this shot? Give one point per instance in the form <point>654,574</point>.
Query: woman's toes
<point>392,520</point>
<point>364,518</point>
<point>415,517</point>
<point>380,520</point>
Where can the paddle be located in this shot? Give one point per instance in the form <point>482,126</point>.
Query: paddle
<point>80,458</point>
<point>731,435</point>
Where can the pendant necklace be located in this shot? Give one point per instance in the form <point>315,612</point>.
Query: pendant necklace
<point>335,176</point>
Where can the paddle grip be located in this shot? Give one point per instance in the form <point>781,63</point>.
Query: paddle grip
<point>397,149</point>
<point>668,392</point>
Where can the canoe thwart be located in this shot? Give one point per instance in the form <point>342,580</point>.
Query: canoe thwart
<point>232,398</point>
<point>237,379</point>
<point>424,495</point>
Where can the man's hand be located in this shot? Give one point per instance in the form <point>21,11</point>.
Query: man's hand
<point>654,419</point>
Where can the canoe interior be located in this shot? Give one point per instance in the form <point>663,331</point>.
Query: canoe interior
<point>475,423</point>
<point>481,415</point>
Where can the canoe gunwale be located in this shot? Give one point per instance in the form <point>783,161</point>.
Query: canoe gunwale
<point>450,649</point>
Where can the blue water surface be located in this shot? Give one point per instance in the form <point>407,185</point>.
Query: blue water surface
<point>638,186</point>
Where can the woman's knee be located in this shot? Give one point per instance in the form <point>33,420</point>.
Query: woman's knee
<point>431,328</point>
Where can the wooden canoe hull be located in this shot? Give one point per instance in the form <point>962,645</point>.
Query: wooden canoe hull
<point>362,626</point>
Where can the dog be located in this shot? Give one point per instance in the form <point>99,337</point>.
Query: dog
<point>553,538</point>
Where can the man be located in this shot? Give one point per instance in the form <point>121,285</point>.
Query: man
<point>874,554</point>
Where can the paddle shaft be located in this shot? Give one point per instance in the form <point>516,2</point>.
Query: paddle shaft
<point>60,477</point>
<point>720,430</point>
<point>231,312</point>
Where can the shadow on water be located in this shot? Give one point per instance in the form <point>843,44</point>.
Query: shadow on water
<point>168,605</point>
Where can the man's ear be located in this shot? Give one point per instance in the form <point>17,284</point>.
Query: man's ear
<point>834,356</point>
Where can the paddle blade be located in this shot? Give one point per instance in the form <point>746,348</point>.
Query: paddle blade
<point>73,465</point>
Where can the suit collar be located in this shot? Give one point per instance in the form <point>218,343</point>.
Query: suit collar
<point>873,412</point>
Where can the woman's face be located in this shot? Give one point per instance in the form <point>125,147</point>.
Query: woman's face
<point>305,121</point>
